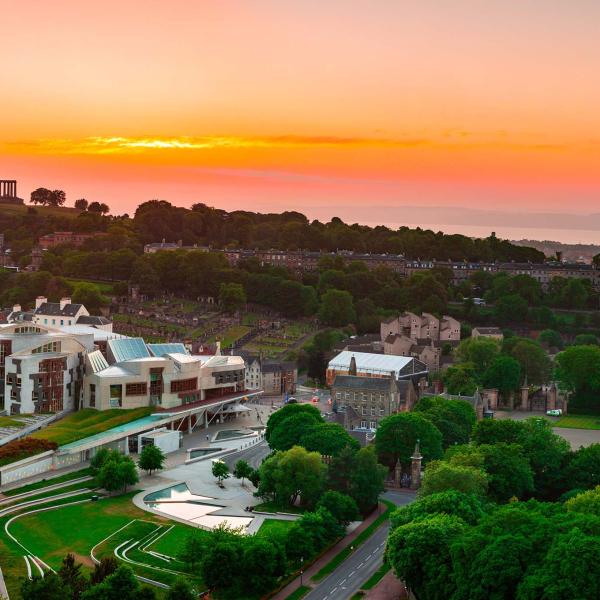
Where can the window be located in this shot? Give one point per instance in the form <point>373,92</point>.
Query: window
<point>18,382</point>
<point>381,412</point>
<point>28,329</point>
<point>49,347</point>
<point>184,385</point>
<point>364,410</point>
<point>373,411</point>
<point>136,389</point>
<point>116,396</point>
<point>92,395</point>
<point>373,425</point>
<point>62,322</point>
<point>363,424</point>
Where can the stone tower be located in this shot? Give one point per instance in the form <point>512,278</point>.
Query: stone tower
<point>415,467</point>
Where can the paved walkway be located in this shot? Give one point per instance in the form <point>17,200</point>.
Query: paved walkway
<point>389,588</point>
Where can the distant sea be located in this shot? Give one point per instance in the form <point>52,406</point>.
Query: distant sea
<point>566,236</point>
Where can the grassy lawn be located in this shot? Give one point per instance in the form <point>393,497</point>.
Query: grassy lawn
<point>42,493</point>
<point>362,537</point>
<point>231,335</point>
<point>46,482</point>
<point>271,507</point>
<point>10,422</point>
<point>105,288</point>
<point>274,527</point>
<point>579,421</point>
<point>172,542</point>
<point>376,577</point>
<point>87,422</point>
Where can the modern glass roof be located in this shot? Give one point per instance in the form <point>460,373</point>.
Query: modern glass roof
<point>97,361</point>
<point>162,349</point>
<point>128,349</point>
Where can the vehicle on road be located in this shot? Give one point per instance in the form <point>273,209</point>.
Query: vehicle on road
<point>557,412</point>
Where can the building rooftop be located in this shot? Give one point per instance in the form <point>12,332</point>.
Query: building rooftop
<point>93,320</point>
<point>127,349</point>
<point>162,349</point>
<point>53,309</point>
<point>380,384</point>
<point>369,362</point>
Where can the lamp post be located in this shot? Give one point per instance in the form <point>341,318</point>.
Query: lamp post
<point>301,568</point>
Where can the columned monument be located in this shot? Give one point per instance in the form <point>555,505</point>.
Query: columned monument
<point>8,191</point>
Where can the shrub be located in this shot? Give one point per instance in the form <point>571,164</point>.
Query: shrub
<point>24,448</point>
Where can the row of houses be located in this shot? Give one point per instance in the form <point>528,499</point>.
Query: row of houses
<point>301,260</point>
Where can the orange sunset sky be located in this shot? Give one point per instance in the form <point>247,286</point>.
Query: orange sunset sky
<point>305,104</point>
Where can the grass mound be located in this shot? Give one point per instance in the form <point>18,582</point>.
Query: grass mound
<point>86,422</point>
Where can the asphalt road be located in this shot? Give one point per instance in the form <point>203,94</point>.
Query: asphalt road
<point>347,579</point>
<point>253,455</point>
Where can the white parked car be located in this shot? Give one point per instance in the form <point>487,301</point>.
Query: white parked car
<point>554,413</point>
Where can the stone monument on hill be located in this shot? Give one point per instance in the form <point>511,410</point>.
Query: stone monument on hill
<point>8,192</point>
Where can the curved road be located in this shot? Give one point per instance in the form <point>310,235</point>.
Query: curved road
<point>348,578</point>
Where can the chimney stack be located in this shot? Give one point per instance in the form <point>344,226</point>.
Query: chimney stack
<point>40,300</point>
<point>64,301</point>
<point>17,308</point>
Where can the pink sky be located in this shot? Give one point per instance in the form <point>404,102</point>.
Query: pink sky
<point>280,104</point>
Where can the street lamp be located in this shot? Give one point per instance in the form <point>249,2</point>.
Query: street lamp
<point>301,568</point>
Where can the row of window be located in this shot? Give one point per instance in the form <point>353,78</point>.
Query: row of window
<point>49,347</point>
<point>62,321</point>
<point>363,396</point>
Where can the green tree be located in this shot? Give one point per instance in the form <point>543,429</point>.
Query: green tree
<point>262,566</point>
<point>295,473</point>
<point>533,360</point>
<point>569,570</point>
<point>512,308</point>
<point>585,502</point>
<point>107,566</point>
<point>289,410</point>
<point>586,339</point>
<point>117,473</point>
<point>367,478</point>
<point>583,470</point>
<point>292,430</point>
<point>460,379</point>
<point>49,587</point>
<point>72,577</point>
<point>120,585</point>
<point>341,506</point>
<point>337,308</point>
<point>508,471</point>
<point>222,559</point>
<point>299,543</point>
<point>329,439</point>
<point>578,371</point>
<point>181,590</point>
<point>242,470</point>
<point>453,418</point>
<point>479,352</point>
<point>220,470</point>
<point>191,551</point>
<point>98,460</point>
<point>151,459</point>
<point>504,374</point>
<point>397,436</point>
<point>90,296</point>
<point>419,553</point>
<point>441,476</point>
<point>81,204</point>
<point>232,296</point>
<point>551,338</point>
<point>467,507</point>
